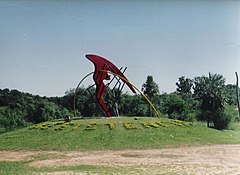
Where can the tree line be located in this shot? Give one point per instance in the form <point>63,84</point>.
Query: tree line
<point>18,109</point>
<point>204,98</point>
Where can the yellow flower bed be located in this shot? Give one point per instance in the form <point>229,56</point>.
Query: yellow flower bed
<point>111,125</point>
<point>61,125</point>
<point>91,126</point>
<point>129,125</point>
<point>160,123</point>
<point>181,123</point>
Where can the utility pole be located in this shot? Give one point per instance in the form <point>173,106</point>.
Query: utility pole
<point>237,89</point>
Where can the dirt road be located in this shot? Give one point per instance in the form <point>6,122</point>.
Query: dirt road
<point>198,160</point>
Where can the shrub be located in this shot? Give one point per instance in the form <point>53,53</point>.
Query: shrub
<point>11,119</point>
<point>222,121</point>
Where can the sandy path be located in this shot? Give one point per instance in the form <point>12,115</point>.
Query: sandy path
<point>210,160</point>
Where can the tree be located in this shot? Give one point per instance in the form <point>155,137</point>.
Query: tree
<point>184,85</point>
<point>18,109</point>
<point>150,89</point>
<point>231,97</point>
<point>10,119</point>
<point>42,111</point>
<point>174,106</point>
<point>210,91</point>
<point>132,105</point>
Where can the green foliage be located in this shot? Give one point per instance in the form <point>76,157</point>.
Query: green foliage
<point>11,119</point>
<point>230,94</point>
<point>221,121</point>
<point>133,105</point>
<point>178,107</point>
<point>229,117</point>
<point>18,109</point>
<point>184,85</point>
<point>86,103</point>
<point>208,103</point>
<point>150,89</point>
<point>174,106</point>
<point>43,111</point>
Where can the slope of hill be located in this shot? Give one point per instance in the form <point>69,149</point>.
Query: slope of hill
<point>114,133</point>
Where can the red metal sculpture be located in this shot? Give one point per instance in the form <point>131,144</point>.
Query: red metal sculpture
<point>102,65</point>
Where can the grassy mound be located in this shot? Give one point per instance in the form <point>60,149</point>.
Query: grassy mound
<point>114,133</point>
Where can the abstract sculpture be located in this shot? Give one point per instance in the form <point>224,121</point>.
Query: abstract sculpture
<point>102,66</point>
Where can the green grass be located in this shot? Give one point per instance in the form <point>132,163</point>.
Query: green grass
<point>22,168</point>
<point>18,167</point>
<point>96,134</point>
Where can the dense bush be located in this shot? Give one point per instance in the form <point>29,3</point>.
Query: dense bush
<point>221,121</point>
<point>133,105</point>
<point>11,119</point>
<point>177,107</point>
<point>19,109</point>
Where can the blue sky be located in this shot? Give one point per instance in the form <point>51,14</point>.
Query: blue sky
<point>43,43</point>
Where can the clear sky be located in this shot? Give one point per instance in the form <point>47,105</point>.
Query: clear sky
<point>43,43</point>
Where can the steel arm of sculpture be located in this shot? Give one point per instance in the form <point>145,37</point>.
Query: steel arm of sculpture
<point>74,98</point>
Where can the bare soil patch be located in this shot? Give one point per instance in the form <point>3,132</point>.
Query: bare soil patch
<point>197,160</point>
